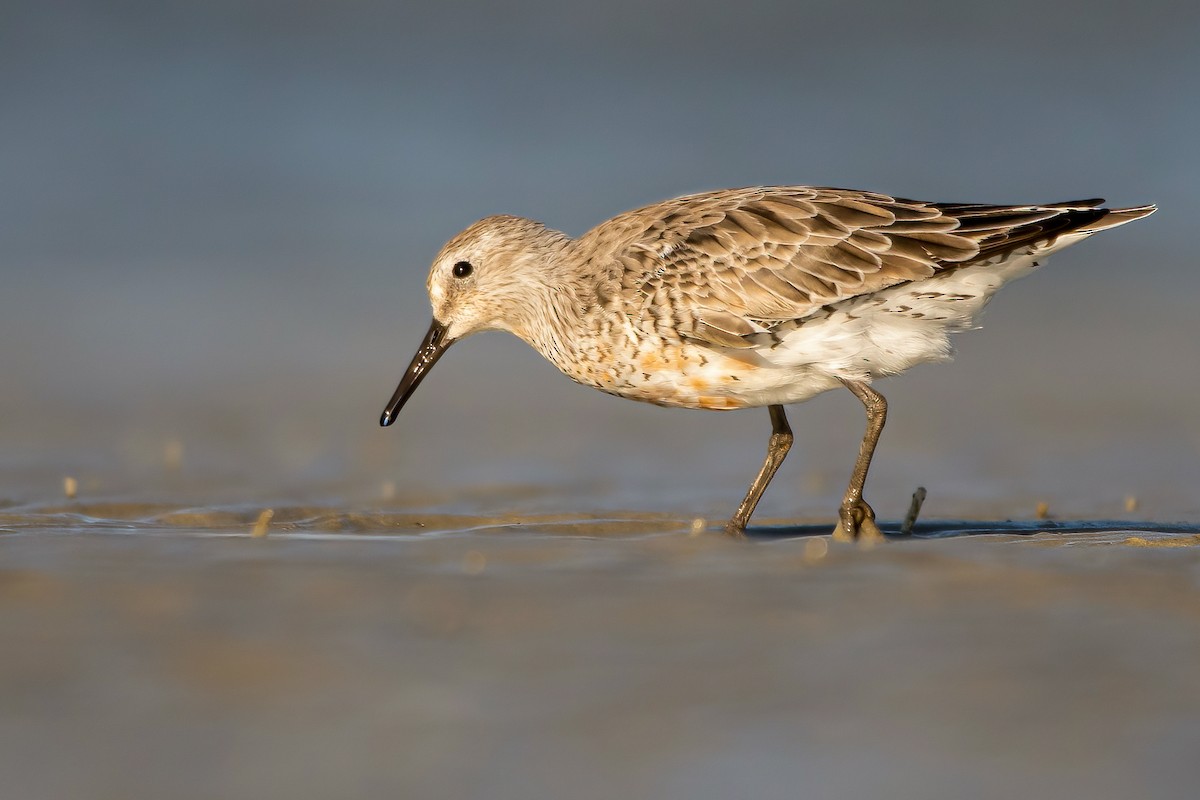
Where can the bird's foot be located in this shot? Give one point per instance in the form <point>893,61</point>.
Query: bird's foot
<point>735,529</point>
<point>856,521</point>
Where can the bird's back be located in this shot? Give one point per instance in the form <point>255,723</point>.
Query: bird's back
<point>807,284</point>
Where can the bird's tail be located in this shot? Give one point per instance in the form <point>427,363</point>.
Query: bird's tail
<point>1118,216</point>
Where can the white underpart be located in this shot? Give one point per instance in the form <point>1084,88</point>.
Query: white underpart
<point>883,333</point>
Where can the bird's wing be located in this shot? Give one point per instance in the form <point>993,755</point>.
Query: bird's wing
<point>722,266</point>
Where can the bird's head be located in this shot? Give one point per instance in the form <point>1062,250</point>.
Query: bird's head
<point>485,278</point>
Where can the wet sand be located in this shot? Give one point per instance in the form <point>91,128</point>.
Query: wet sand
<point>165,651</point>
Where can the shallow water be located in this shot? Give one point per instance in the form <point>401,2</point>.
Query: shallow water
<point>163,650</point>
<point>520,589</point>
<point>507,594</point>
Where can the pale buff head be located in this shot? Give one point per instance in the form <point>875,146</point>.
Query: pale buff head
<point>488,277</point>
<point>485,277</point>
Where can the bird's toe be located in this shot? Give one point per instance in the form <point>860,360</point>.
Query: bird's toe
<point>856,522</point>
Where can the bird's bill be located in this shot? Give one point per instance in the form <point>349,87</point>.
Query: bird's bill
<point>427,355</point>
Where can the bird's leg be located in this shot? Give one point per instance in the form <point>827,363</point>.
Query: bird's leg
<point>855,517</point>
<point>777,448</point>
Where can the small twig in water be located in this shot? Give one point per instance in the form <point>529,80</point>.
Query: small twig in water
<point>914,508</point>
<point>262,524</point>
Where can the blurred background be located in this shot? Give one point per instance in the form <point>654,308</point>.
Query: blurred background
<point>216,220</point>
<point>215,223</point>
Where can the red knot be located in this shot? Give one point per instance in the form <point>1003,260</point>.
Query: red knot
<point>747,297</point>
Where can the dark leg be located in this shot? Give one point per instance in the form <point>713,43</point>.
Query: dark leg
<point>855,517</point>
<point>777,448</point>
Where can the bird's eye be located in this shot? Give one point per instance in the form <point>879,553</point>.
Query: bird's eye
<point>462,269</point>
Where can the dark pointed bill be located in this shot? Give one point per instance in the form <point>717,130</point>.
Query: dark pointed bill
<point>427,355</point>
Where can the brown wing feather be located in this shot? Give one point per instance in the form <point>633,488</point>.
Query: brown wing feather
<point>733,262</point>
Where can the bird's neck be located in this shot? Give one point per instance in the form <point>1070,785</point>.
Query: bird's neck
<point>550,321</point>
